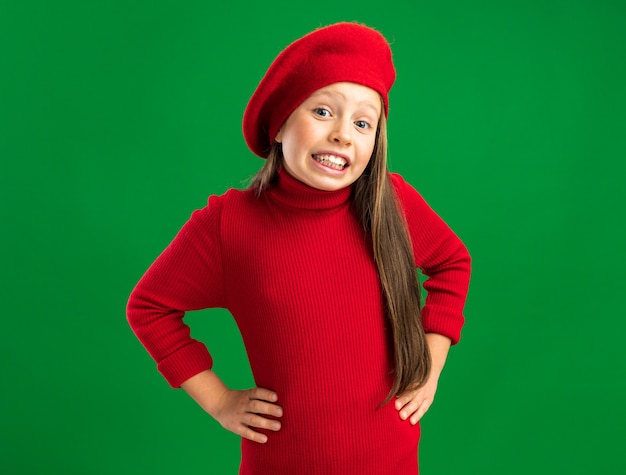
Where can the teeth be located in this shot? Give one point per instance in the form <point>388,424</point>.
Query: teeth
<point>331,161</point>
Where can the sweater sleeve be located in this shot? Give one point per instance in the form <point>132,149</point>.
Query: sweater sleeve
<point>186,276</point>
<point>442,257</point>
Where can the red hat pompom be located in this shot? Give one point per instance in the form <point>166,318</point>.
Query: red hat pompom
<point>343,52</point>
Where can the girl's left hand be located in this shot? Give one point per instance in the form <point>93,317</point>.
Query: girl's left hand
<point>413,404</point>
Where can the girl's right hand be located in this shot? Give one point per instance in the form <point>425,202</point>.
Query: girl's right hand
<point>242,411</point>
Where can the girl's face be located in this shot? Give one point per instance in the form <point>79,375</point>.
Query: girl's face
<point>328,140</point>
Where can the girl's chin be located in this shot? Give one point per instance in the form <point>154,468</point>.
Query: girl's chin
<point>329,183</point>
<point>321,179</point>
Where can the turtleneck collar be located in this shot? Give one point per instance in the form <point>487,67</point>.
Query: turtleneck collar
<point>291,192</point>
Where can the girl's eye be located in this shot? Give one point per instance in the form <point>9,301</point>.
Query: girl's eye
<point>361,124</point>
<point>322,112</point>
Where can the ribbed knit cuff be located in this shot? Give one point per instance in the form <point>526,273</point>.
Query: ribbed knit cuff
<point>446,325</point>
<point>185,363</point>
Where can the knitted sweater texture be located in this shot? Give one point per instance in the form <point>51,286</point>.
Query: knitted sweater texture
<point>296,270</point>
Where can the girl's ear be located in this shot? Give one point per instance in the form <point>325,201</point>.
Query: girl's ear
<point>279,136</point>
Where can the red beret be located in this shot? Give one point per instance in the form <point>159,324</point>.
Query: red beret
<point>343,52</point>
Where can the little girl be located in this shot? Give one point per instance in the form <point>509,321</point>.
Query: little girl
<point>316,261</point>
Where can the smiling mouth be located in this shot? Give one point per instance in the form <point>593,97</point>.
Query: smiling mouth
<point>331,161</point>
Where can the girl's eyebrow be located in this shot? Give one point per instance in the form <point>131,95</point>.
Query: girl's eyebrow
<point>369,105</point>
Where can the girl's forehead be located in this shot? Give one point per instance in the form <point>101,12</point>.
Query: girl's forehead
<point>350,92</point>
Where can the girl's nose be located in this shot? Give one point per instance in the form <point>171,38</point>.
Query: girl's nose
<point>341,133</point>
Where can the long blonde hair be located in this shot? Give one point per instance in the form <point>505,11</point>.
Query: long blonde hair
<point>376,205</point>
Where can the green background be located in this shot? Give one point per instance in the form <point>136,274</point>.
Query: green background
<point>118,119</point>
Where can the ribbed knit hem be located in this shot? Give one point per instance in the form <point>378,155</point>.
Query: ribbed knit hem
<point>185,363</point>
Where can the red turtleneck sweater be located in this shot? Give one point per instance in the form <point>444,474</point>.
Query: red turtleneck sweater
<point>295,270</point>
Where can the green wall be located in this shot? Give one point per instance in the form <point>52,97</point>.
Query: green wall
<point>118,119</point>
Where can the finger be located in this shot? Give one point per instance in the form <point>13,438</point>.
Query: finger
<point>409,409</point>
<point>404,398</point>
<point>248,433</point>
<point>254,420</point>
<point>415,418</point>
<point>261,407</point>
<point>263,394</point>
